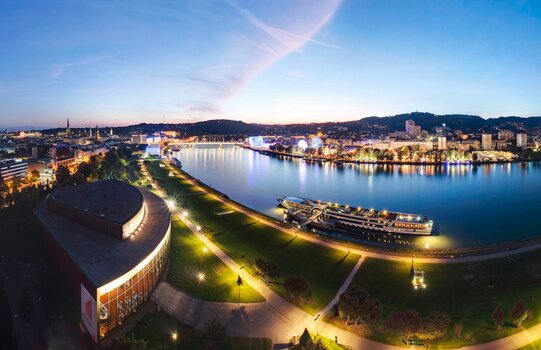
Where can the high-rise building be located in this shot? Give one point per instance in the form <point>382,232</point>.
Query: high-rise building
<point>486,141</point>
<point>410,126</point>
<point>505,135</point>
<point>442,143</point>
<point>139,139</point>
<point>412,130</point>
<point>522,140</point>
<point>97,133</point>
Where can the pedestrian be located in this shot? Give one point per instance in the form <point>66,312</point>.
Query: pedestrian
<point>336,339</point>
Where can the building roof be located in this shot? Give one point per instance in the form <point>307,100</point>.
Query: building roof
<point>113,200</point>
<point>100,257</point>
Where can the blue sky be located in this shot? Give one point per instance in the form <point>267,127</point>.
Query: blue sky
<point>121,62</point>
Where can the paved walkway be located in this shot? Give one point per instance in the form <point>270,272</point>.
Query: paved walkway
<point>278,319</point>
<point>343,288</point>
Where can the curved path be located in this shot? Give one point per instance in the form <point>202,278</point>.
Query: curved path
<point>276,318</point>
<point>276,315</point>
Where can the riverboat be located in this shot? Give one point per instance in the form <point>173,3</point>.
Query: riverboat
<point>355,219</point>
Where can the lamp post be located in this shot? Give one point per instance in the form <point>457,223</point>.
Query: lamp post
<point>317,324</point>
<point>239,283</point>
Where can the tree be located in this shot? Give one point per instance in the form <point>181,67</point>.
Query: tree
<point>519,313</point>
<point>296,286</point>
<point>407,323</point>
<point>34,175</point>
<point>267,270</point>
<point>357,303</point>
<point>239,284</point>
<point>214,335</point>
<point>434,326</point>
<point>305,340</point>
<point>112,166</point>
<point>62,175</point>
<point>497,317</point>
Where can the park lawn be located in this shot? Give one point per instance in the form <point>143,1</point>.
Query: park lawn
<point>536,345</point>
<point>246,239</point>
<point>157,328</point>
<point>467,292</point>
<point>189,258</point>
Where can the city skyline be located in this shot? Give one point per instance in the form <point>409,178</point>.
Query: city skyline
<point>117,64</point>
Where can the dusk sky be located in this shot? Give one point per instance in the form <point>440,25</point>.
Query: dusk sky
<point>123,62</point>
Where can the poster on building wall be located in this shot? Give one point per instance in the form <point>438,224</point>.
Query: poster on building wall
<point>89,313</point>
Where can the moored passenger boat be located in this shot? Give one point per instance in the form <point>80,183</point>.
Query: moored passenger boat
<point>344,216</point>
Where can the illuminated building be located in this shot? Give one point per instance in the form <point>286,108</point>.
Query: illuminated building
<point>486,141</point>
<point>11,168</point>
<point>522,140</point>
<point>442,143</point>
<point>110,240</point>
<point>139,139</point>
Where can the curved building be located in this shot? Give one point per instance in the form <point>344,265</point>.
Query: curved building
<point>111,240</point>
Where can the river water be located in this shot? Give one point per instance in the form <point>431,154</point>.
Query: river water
<point>471,205</point>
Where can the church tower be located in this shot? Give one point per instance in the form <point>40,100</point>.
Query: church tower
<point>68,127</point>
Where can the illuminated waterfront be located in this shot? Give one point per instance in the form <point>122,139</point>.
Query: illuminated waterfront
<point>471,205</point>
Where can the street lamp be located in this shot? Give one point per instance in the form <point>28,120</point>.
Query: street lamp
<point>171,204</point>
<point>201,276</point>
<point>174,336</point>
<point>317,324</point>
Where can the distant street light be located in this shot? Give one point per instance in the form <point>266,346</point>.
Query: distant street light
<point>174,336</point>
<point>171,204</point>
<point>201,276</point>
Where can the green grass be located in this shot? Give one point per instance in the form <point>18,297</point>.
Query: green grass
<point>158,327</point>
<point>468,293</point>
<point>328,344</point>
<point>245,240</point>
<point>533,346</point>
<point>190,257</point>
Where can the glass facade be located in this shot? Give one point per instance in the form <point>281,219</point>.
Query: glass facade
<point>120,302</point>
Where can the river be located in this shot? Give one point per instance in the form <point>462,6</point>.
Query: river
<point>471,205</point>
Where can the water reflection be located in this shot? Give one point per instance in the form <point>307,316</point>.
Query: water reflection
<point>470,204</point>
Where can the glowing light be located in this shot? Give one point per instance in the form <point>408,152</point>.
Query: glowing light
<point>171,204</point>
<point>302,144</point>
<point>201,276</point>
<point>198,228</point>
<point>174,336</point>
<point>427,246</point>
<point>205,250</point>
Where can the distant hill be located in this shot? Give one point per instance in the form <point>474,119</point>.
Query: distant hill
<point>427,121</point>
